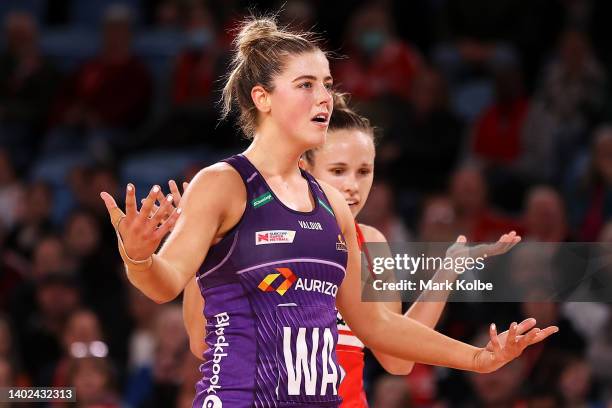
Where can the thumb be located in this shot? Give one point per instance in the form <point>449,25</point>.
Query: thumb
<point>109,201</point>
<point>185,185</point>
<point>114,212</point>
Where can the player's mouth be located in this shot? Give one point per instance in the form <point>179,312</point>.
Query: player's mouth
<point>352,202</point>
<point>321,119</point>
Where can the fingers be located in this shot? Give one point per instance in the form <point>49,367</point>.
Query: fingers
<point>529,338</point>
<point>503,245</point>
<point>174,190</point>
<point>509,240</point>
<point>512,332</point>
<point>130,201</point>
<point>114,212</point>
<point>168,225</point>
<point>543,334</point>
<point>497,348</point>
<point>525,325</point>
<point>165,208</point>
<point>148,203</point>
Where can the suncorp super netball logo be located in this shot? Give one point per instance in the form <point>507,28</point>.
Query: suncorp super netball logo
<point>266,283</point>
<point>305,284</point>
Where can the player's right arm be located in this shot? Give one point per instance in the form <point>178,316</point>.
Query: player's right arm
<point>211,205</point>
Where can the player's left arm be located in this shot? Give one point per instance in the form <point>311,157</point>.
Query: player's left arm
<point>393,365</point>
<point>408,339</point>
<point>193,318</point>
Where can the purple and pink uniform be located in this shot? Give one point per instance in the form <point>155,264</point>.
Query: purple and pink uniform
<point>270,287</point>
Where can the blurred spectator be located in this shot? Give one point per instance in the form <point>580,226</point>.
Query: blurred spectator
<point>574,85</point>
<point>190,374</point>
<point>171,349</point>
<point>99,271</point>
<point>545,218</point>
<point>501,388</point>
<point>87,182</point>
<point>543,398</point>
<point>11,190</point>
<point>546,359</point>
<point>391,392</point>
<point>27,84</point>
<point>6,374</point>
<point>476,38</point>
<point>82,336</point>
<point>193,90</point>
<point>110,93</point>
<point>424,137</point>
<point>600,355</point>
<point>591,200</point>
<point>568,100</point>
<point>548,313</point>
<point>575,384</point>
<point>380,212</point>
<point>437,220</point>
<point>497,132</point>
<point>57,297</point>
<point>10,353</point>
<point>474,216</point>
<point>164,14</point>
<point>13,270</point>
<point>299,15</point>
<point>33,219</point>
<point>95,262</point>
<point>49,257</point>
<point>378,63</point>
<point>94,380</point>
<point>141,347</point>
<point>194,73</point>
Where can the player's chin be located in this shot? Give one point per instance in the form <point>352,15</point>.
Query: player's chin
<point>315,137</point>
<point>355,208</point>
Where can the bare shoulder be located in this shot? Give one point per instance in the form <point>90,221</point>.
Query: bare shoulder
<point>339,205</point>
<point>371,234</point>
<point>217,189</point>
<point>218,174</point>
<point>219,182</point>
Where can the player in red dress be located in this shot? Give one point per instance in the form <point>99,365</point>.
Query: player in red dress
<point>346,161</point>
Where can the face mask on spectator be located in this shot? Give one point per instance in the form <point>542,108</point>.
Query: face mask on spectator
<point>370,41</point>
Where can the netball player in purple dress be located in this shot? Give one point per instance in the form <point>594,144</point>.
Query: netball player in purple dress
<point>275,251</point>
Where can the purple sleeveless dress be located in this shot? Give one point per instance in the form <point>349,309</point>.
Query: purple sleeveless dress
<point>270,288</point>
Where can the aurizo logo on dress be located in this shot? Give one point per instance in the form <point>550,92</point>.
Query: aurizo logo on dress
<point>305,284</point>
<point>266,283</point>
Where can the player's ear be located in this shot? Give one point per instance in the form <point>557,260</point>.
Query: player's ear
<point>261,99</point>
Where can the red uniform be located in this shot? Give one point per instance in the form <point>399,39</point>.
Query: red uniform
<point>350,355</point>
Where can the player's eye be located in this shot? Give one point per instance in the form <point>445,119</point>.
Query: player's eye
<point>306,85</point>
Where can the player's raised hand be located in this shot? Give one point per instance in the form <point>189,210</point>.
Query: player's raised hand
<point>522,327</point>
<point>505,243</point>
<point>502,349</point>
<point>141,230</point>
<point>174,191</point>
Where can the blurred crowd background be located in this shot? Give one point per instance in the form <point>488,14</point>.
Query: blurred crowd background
<point>491,116</point>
